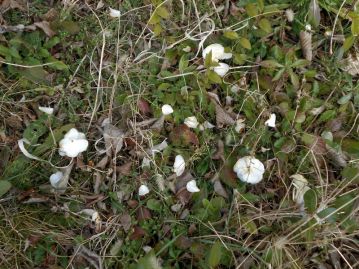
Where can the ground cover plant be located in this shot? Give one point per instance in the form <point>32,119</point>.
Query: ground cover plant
<point>179,134</point>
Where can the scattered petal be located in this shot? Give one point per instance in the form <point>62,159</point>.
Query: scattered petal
<point>114,13</point>
<point>143,190</point>
<point>179,165</point>
<point>289,14</point>
<point>146,163</point>
<point>249,169</point>
<point>217,52</point>
<point>191,186</point>
<point>221,70</point>
<point>271,121</point>
<point>167,109</point>
<point>191,122</point>
<point>56,178</point>
<point>240,125</point>
<point>47,110</point>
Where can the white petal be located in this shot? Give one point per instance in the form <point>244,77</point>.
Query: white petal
<point>235,88</point>
<point>73,143</point>
<point>249,169</point>
<point>143,190</point>
<point>217,52</point>
<point>179,165</point>
<point>47,110</point>
<point>167,109</point>
<point>289,14</point>
<point>191,186</point>
<point>240,125</point>
<point>208,125</point>
<point>56,178</point>
<point>222,69</point>
<point>159,147</point>
<point>271,121</point>
<point>191,122</point>
<point>114,13</point>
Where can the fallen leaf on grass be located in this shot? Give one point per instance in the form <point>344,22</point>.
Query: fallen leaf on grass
<point>138,233</point>
<point>90,256</point>
<point>182,135</point>
<point>45,26</point>
<point>306,44</point>
<point>144,107</point>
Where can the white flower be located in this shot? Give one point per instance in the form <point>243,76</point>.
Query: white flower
<point>179,165</point>
<point>271,121</point>
<point>143,190</point>
<point>114,13</point>
<point>91,213</point>
<point>217,52</point>
<point>308,27</point>
<point>235,88</point>
<point>249,169</point>
<point>301,187</point>
<point>56,178</point>
<point>221,70</point>
<point>73,143</point>
<point>191,122</point>
<point>191,186</point>
<point>167,109</point>
<point>240,125</point>
<point>289,14</point>
<point>47,110</point>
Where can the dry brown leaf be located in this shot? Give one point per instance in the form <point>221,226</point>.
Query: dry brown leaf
<point>144,107</point>
<point>5,5</point>
<point>183,135</point>
<point>306,44</point>
<point>138,233</point>
<point>113,137</point>
<point>50,15</point>
<point>337,157</point>
<point>143,213</point>
<point>91,257</point>
<point>158,124</point>
<point>223,117</point>
<point>45,26</point>
<point>219,154</point>
<point>125,221</point>
<point>219,189</point>
<point>125,169</point>
<point>351,65</point>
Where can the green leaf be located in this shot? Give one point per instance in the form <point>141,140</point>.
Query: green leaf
<point>245,43</point>
<point>183,63</point>
<point>314,13</point>
<point>252,10</point>
<point>345,99</point>
<point>155,19</point>
<point>327,115</point>
<point>279,74</point>
<point>148,262</point>
<point>328,214</point>
<point>265,25</point>
<point>355,23</point>
<point>5,186</point>
<point>215,254</point>
<point>162,12</point>
<point>270,64</point>
<point>351,174</point>
<point>231,35</point>
<point>214,77</point>
<point>348,43</point>
<point>351,146</point>
<point>154,204</point>
<point>345,203</point>
<point>300,63</point>
<point>310,200</point>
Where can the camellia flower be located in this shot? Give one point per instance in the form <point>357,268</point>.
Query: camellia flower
<point>191,122</point>
<point>114,13</point>
<point>73,143</point>
<point>179,165</point>
<point>217,52</point>
<point>167,109</point>
<point>47,110</point>
<point>221,70</point>
<point>143,190</point>
<point>55,179</point>
<point>191,186</point>
<point>271,121</point>
<point>249,169</point>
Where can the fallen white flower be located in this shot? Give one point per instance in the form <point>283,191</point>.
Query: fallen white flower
<point>167,109</point>
<point>143,190</point>
<point>55,179</point>
<point>191,122</point>
<point>217,52</point>
<point>73,143</point>
<point>289,14</point>
<point>179,165</point>
<point>249,169</point>
<point>114,13</point>
<point>159,147</point>
<point>191,186</point>
<point>221,70</point>
<point>271,121</point>
<point>47,110</point>
<point>235,88</point>
<point>91,213</point>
